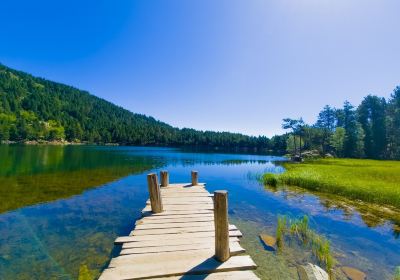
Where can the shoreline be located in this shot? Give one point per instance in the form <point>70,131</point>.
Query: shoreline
<point>55,143</point>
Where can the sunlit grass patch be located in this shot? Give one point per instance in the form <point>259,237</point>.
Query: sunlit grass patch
<point>368,180</point>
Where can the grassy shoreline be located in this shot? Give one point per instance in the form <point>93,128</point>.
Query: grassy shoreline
<point>368,180</point>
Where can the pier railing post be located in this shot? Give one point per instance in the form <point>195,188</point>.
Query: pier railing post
<point>155,193</point>
<point>222,252</point>
<point>195,178</point>
<point>164,178</point>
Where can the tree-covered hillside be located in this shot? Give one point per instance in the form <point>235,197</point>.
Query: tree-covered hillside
<point>37,109</point>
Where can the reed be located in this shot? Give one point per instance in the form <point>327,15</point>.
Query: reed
<point>281,230</point>
<point>270,179</point>
<point>300,230</point>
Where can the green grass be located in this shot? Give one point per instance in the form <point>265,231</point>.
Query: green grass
<point>367,180</point>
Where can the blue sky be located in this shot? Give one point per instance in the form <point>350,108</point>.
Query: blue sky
<point>232,65</point>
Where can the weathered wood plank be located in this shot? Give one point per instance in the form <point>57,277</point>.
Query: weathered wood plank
<point>174,225</point>
<point>183,195</point>
<point>178,212</point>
<point>167,202</point>
<point>138,238</point>
<point>171,242</point>
<point>187,185</point>
<point>196,207</point>
<point>176,230</point>
<point>231,275</point>
<point>184,190</point>
<point>172,264</point>
<point>185,200</point>
<point>208,218</point>
<point>235,248</point>
<point>167,225</point>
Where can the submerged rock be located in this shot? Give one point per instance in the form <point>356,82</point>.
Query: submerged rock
<point>353,273</point>
<point>312,272</point>
<point>268,241</point>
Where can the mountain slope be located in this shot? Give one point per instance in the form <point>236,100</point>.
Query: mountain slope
<point>37,109</point>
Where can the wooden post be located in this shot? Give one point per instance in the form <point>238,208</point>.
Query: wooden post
<point>222,252</point>
<point>155,193</point>
<point>195,178</point>
<point>164,178</point>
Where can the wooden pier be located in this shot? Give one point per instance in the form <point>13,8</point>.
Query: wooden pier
<point>184,234</point>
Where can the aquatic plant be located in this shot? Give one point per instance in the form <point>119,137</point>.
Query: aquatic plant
<point>321,249</point>
<point>397,273</point>
<point>84,273</point>
<point>368,180</point>
<point>281,230</point>
<point>299,229</point>
<point>270,179</point>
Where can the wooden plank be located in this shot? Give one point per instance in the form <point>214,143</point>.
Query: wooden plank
<point>231,275</point>
<point>176,216</point>
<point>171,242</point>
<point>195,199</point>
<point>185,185</point>
<point>196,207</point>
<point>167,202</point>
<point>186,196</point>
<point>174,225</point>
<point>184,189</point>
<point>134,267</point>
<point>235,248</point>
<point>185,207</point>
<point>183,194</point>
<point>191,206</point>
<point>178,212</point>
<point>138,238</point>
<point>177,226</point>
<point>176,230</point>
<point>182,219</point>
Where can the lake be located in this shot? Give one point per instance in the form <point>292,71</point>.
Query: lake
<point>61,207</point>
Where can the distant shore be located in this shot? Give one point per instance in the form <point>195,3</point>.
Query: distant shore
<point>55,142</point>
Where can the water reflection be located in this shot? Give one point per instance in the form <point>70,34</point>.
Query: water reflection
<point>372,215</point>
<point>37,174</point>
